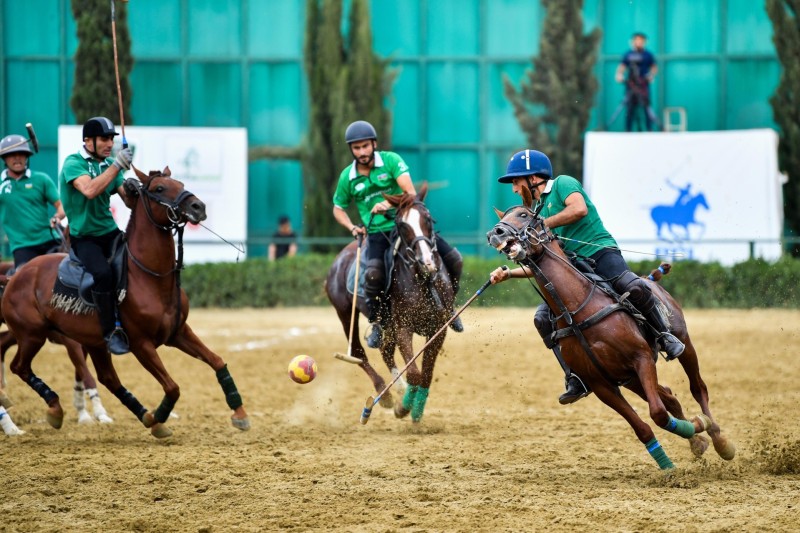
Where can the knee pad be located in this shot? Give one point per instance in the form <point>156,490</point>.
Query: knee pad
<point>374,277</point>
<point>543,320</point>
<point>454,264</point>
<point>639,291</point>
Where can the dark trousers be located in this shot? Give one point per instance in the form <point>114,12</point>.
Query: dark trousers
<point>26,253</point>
<point>94,253</point>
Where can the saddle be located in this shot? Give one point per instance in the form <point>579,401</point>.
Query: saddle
<point>388,264</point>
<point>72,291</point>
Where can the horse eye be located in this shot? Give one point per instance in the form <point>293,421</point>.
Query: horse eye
<point>160,188</point>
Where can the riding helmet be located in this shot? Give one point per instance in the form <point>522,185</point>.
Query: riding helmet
<point>527,163</point>
<point>98,127</point>
<point>359,130</point>
<point>13,144</point>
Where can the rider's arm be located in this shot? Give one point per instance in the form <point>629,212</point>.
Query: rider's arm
<point>59,215</point>
<point>343,218</point>
<point>92,188</point>
<point>503,273</point>
<point>574,210</point>
<point>651,74</point>
<point>406,185</point>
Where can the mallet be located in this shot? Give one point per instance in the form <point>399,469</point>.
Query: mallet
<point>373,401</point>
<point>349,357</point>
<point>31,139</point>
<point>116,72</point>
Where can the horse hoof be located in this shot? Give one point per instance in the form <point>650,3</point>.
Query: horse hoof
<point>5,401</point>
<point>103,418</point>
<point>724,448</point>
<point>703,421</point>
<point>84,417</point>
<point>386,401</point>
<point>241,423</point>
<point>148,420</point>
<point>698,445</point>
<point>55,417</point>
<point>400,411</point>
<point>160,431</point>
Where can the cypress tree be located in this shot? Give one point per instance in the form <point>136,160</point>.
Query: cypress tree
<point>94,92</point>
<point>786,104</point>
<point>553,105</point>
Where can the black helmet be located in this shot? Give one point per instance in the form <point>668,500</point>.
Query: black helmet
<point>13,144</point>
<point>358,131</point>
<point>98,127</point>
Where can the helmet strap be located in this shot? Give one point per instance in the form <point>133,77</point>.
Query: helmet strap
<point>93,152</point>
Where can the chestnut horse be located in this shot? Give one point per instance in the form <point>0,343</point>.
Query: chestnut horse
<point>420,298</point>
<point>153,313</point>
<point>602,342</point>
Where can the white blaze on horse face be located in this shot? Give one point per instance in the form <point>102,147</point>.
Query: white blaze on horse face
<point>412,218</point>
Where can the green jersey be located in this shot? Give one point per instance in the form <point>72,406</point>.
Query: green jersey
<point>367,191</point>
<point>24,208</point>
<point>87,218</point>
<point>585,237</point>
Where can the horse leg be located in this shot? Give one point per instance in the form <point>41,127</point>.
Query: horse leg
<point>387,353</point>
<point>404,338</point>
<point>85,384</point>
<point>357,351</point>
<point>27,348</point>
<point>614,399</point>
<point>8,425</point>
<point>724,447</point>
<point>428,362</point>
<point>7,340</point>
<point>186,341</point>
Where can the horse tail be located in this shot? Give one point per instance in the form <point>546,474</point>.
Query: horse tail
<point>658,273</point>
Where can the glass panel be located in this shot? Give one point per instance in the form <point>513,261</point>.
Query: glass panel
<point>452,28</point>
<point>276,101</point>
<point>694,86</point>
<point>452,103</point>
<point>622,18</point>
<point>749,28</point>
<point>215,95</point>
<point>405,108</point>
<point>157,94</point>
<point>214,28</point>
<point>504,36</point>
<point>750,85</point>
<point>37,103</point>
<point>395,28</point>
<point>270,32</point>
<point>155,28</point>
<point>453,181</point>
<point>31,27</point>
<point>502,126</point>
<point>692,27</point>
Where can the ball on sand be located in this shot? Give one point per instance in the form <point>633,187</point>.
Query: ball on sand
<point>302,369</point>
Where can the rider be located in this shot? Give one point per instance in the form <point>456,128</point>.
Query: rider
<point>25,196</point>
<point>571,215</point>
<point>373,174</point>
<point>88,179</point>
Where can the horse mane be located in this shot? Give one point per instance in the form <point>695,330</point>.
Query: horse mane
<point>403,202</point>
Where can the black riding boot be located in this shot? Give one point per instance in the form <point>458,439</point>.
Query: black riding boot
<point>667,342</point>
<point>576,389</point>
<point>113,334</point>
<point>455,264</point>
<point>375,337</point>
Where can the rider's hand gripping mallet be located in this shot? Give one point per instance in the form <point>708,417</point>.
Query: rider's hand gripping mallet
<point>372,402</point>
<point>349,357</point>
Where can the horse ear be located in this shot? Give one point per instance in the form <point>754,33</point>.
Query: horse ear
<point>166,171</point>
<point>527,197</point>
<point>423,191</point>
<point>141,175</point>
<point>498,213</point>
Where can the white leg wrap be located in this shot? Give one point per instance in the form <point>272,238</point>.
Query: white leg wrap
<point>9,428</point>
<point>97,406</point>
<point>401,384</point>
<point>78,399</point>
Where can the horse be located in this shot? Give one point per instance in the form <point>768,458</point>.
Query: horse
<point>602,342</point>
<point>153,312</point>
<point>85,383</point>
<point>421,301</point>
<point>679,215</point>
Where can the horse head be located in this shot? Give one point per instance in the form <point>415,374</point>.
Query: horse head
<point>414,226</point>
<point>521,233</point>
<point>166,202</point>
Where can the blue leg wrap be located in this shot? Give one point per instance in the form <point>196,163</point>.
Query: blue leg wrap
<point>658,453</point>
<point>164,409</point>
<point>419,404</point>
<point>408,397</point>
<point>42,389</point>
<point>232,396</point>
<point>683,428</point>
<point>130,401</point>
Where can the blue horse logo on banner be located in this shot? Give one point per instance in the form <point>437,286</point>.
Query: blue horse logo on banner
<point>680,214</point>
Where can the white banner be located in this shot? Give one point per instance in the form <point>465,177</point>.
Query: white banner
<point>211,163</point>
<point>688,195</point>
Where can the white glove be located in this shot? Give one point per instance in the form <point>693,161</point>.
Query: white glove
<point>124,158</point>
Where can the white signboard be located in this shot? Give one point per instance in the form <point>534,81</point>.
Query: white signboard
<point>688,195</point>
<point>211,163</point>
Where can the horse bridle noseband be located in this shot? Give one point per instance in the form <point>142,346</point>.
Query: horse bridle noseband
<point>409,246</point>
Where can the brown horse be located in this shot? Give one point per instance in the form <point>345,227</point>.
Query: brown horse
<point>153,313</point>
<point>602,342</point>
<point>421,300</point>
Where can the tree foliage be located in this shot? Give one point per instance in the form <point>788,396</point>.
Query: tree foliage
<point>786,103</point>
<point>94,92</point>
<point>347,82</point>
<point>553,105</point>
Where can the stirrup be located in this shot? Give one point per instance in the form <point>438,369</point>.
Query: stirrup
<point>456,325</point>
<point>375,337</point>
<point>117,342</point>
<point>576,390</point>
<point>671,345</point>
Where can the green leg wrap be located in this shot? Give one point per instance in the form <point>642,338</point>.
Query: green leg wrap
<point>658,453</point>
<point>680,427</point>
<point>419,404</point>
<point>229,388</point>
<point>408,397</point>
<point>164,409</point>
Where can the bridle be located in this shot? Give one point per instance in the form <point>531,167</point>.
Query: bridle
<point>408,255</point>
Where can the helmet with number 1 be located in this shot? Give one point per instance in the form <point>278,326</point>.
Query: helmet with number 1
<point>360,130</point>
<point>527,163</point>
<point>14,144</point>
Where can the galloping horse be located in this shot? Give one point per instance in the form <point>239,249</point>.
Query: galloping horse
<point>153,313</point>
<point>602,342</point>
<point>681,215</point>
<point>420,295</point>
